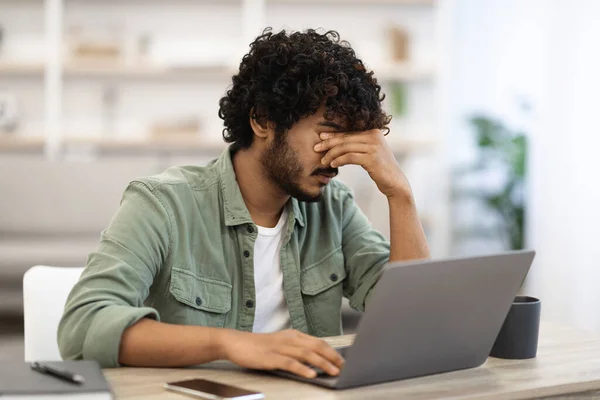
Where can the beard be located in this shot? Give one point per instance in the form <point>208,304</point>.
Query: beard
<point>284,168</point>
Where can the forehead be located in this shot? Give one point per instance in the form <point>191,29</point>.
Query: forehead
<point>332,125</point>
<point>323,120</point>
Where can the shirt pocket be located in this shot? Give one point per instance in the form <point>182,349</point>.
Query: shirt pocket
<point>200,301</point>
<point>322,291</point>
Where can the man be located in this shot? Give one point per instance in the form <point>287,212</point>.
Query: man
<point>247,259</point>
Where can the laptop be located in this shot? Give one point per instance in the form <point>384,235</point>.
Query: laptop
<point>427,317</point>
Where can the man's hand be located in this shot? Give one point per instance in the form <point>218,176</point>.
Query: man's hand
<point>288,350</point>
<point>370,150</point>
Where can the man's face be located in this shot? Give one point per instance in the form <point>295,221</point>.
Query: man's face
<point>294,165</point>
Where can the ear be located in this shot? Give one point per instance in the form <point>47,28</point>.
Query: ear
<point>262,129</point>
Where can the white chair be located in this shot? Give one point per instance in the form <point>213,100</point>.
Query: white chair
<point>45,291</point>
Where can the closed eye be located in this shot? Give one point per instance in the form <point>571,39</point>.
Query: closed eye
<point>331,124</point>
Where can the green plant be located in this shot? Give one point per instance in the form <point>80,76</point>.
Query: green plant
<point>500,147</point>
<point>398,98</point>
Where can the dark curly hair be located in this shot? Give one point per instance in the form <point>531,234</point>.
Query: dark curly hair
<point>286,77</point>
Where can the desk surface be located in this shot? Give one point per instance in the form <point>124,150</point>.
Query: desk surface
<point>568,362</point>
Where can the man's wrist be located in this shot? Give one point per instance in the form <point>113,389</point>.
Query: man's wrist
<point>221,339</point>
<point>217,339</point>
<point>401,195</point>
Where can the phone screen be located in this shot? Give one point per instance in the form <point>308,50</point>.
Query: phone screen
<point>214,388</point>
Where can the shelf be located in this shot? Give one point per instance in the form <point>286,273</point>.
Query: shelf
<point>21,69</point>
<point>389,73</point>
<point>14,144</point>
<point>190,145</point>
<point>359,2</point>
<point>36,144</point>
<point>145,72</point>
<point>403,72</point>
<point>341,2</point>
<point>411,146</point>
<point>119,71</point>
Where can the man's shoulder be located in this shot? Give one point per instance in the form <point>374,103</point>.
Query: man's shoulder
<point>190,177</point>
<point>180,182</point>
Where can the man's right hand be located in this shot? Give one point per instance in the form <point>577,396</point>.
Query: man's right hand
<point>288,350</point>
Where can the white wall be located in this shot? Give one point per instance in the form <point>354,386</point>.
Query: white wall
<point>547,53</point>
<point>566,194</point>
<point>499,48</point>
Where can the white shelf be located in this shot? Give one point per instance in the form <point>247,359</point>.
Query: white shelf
<point>335,2</point>
<point>365,2</point>
<point>36,143</point>
<point>33,144</point>
<point>403,72</point>
<point>411,146</point>
<point>146,72</point>
<point>392,72</point>
<point>389,73</point>
<point>21,69</point>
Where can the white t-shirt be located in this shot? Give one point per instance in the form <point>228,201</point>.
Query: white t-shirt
<point>271,313</point>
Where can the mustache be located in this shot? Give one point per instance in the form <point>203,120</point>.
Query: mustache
<point>325,171</point>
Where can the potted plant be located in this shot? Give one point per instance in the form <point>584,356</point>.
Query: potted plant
<point>499,148</point>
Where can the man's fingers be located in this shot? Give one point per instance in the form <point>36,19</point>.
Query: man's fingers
<point>332,142</point>
<point>320,346</point>
<point>350,158</point>
<point>310,356</point>
<point>294,366</point>
<point>346,147</point>
<point>330,354</point>
<point>326,351</point>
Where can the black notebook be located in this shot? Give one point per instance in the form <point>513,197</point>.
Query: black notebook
<point>19,381</point>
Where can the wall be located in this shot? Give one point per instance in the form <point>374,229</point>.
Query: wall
<point>544,53</point>
<point>565,193</point>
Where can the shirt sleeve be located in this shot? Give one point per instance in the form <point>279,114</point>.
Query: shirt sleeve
<point>109,296</point>
<point>366,252</point>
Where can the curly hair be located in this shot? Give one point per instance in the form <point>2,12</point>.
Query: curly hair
<point>286,77</point>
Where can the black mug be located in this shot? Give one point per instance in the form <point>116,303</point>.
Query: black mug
<point>518,337</point>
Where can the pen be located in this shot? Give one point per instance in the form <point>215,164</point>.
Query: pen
<point>57,372</point>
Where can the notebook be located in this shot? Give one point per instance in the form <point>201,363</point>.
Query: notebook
<point>19,381</point>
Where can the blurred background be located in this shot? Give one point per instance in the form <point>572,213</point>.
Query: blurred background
<point>494,122</point>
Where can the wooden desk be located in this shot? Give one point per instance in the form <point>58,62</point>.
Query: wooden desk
<point>568,362</point>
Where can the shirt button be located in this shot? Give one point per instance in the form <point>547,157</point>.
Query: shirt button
<point>198,301</point>
<point>250,229</point>
<point>246,253</point>
<point>333,277</point>
<point>249,304</point>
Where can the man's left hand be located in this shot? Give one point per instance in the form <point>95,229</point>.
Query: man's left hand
<point>370,150</point>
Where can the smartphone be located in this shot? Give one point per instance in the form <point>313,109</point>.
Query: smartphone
<point>212,390</point>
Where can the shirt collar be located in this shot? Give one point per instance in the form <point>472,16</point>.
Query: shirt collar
<point>236,212</point>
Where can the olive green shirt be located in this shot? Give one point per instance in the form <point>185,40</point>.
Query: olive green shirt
<point>180,250</point>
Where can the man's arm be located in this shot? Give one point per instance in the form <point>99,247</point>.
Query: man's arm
<point>370,150</point>
<point>105,318</point>
<point>150,343</point>
<point>407,238</point>
<point>366,251</point>
<point>109,296</point>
